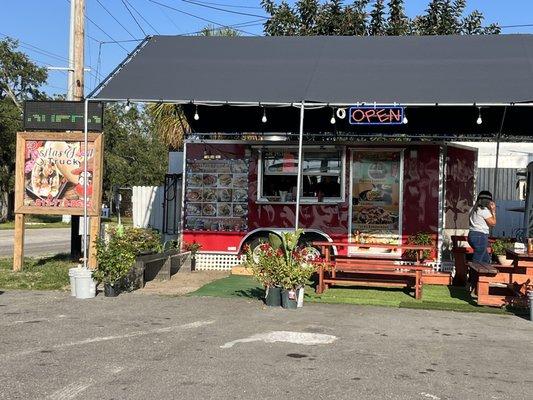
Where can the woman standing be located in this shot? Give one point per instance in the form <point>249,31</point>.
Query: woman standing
<point>482,218</point>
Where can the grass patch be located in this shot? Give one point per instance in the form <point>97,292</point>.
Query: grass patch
<point>38,222</point>
<point>435,297</point>
<point>50,273</point>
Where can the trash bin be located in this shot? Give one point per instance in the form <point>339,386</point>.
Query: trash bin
<point>85,285</point>
<point>72,272</point>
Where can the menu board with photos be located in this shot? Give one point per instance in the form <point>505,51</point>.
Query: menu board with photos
<point>216,195</point>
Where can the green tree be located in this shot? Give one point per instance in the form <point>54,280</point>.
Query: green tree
<point>397,24</point>
<point>378,23</point>
<point>20,80</point>
<point>332,17</point>
<point>134,154</point>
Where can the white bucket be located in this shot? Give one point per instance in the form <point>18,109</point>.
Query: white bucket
<point>85,285</point>
<point>300,297</point>
<point>72,273</point>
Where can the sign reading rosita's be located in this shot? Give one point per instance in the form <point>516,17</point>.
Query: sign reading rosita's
<point>376,115</point>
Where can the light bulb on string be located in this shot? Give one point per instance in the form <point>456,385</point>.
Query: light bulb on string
<point>196,116</point>
<point>479,120</point>
<point>264,118</point>
<point>405,120</point>
<point>128,106</point>
<point>332,120</point>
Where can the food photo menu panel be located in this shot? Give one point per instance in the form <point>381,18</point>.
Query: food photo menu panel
<point>216,195</point>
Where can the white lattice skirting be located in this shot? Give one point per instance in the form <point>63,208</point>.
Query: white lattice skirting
<point>216,261</point>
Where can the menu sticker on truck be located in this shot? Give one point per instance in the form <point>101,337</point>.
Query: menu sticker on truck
<point>216,195</point>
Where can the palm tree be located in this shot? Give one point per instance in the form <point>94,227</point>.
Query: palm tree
<point>169,119</point>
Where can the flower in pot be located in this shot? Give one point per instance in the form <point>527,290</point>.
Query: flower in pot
<point>115,259</point>
<point>193,247</point>
<point>499,248</point>
<point>281,266</point>
<point>420,239</point>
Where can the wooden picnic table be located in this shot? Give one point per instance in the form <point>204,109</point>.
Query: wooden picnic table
<point>374,269</point>
<point>499,285</point>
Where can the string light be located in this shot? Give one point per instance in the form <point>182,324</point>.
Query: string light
<point>264,118</point>
<point>128,106</point>
<point>479,120</point>
<point>196,116</point>
<point>332,120</point>
<point>405,120</point>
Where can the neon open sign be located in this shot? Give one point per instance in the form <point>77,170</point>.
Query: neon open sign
<point>376,115</point>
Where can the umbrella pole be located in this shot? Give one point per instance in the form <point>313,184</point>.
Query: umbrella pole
<point>498,137</point>
<point>300,166</point>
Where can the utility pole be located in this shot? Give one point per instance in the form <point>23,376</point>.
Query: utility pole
<point>75,92</point>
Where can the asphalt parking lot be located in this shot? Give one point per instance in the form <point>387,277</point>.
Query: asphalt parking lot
<point>140,346</point>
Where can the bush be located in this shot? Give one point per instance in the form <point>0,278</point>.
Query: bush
<point>500,246</point>
<point>116,256</point>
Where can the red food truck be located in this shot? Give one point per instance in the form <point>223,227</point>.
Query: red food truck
<point>238,192</point>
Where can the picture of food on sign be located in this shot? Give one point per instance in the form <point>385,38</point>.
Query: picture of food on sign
<point>224,194</point>
<point>224,180</point>
<point>194,209</point>
<point>46,180</point>
<point>240,210</point>
<point>377,171</point>
<point>240,180</point>
<point>210,180</point>
<point>194,195</point>
<point>209,210</point>
<point>195,166</point>
<point>374,215</point>
<point>224,210</point>
<point>239,166</point>
<point>85,178</point>
<point>209,195</point>
<point>196,180</point>
<point>240,195</point>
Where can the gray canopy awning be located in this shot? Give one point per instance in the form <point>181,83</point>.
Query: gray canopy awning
<point>410,69</point>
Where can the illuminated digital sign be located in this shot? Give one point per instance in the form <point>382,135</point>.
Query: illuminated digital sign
<point>62,116</point>
<point>376,115</point>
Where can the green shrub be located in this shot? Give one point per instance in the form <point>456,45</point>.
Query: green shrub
<point>500,246</point>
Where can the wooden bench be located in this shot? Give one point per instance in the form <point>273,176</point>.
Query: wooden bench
<point>371,272</point>
<point>460,251</point>
<point>492,284</point>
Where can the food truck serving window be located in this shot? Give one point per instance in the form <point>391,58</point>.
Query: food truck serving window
<point>321,174</point>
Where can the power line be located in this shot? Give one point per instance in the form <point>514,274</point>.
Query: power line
<point>224,10</point>
<point>142,17</point>
<point>516,26</point>
<point>112,16</point>
<point>200,18</point>
<point>133,16</point>
<point>37,49</point>
<point>230,5</point>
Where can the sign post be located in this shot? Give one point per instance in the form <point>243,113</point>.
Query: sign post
<point>51,178</point>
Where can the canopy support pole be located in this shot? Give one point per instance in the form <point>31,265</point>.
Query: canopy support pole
<point>85,152</point>
<point>300,166</point>
<point>498,137</point>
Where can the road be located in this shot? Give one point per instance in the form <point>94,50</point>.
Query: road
<point>140,346</point>
<point>37,242</point>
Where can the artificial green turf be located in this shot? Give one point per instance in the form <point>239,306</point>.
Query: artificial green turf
<point>435,297</point>
<point>49,273</point>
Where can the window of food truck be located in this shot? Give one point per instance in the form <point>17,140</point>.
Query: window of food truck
<point>321,175</point>
<point>376,193</point>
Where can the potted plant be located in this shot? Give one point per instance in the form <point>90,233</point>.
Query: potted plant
<point>193,247</point>
<point>282,267</point>
<point>115,259</point>
<point>499,247</point>
<point>263,262</point>
<point>421,239</point>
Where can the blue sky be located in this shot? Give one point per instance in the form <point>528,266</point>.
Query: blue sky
<point>42,26</point>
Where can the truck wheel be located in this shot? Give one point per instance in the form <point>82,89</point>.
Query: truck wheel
<point>254,246</point>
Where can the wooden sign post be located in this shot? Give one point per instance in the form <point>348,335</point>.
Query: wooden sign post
<point>50,178</point>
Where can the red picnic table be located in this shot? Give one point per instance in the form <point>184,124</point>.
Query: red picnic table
<point>372,269</point>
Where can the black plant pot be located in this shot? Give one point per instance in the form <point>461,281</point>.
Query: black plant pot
<point>111,291</point>
<point>289,299</point>
<point>273,296</point>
